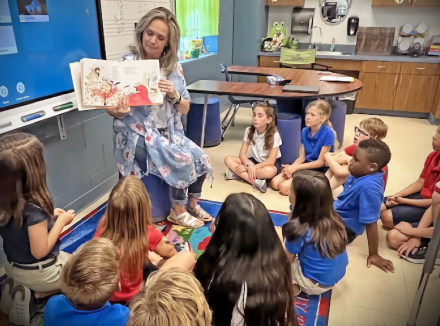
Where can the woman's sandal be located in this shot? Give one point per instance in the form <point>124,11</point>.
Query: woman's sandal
<point>184,219</point>
<point>200,213</point>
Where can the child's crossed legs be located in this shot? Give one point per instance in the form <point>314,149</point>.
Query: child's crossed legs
<point>233,162</point>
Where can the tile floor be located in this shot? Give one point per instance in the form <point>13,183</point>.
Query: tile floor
<point>365,296</point>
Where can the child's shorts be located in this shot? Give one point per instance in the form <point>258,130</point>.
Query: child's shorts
<point>306,284</point>
<point>42,279</point>
<point>408,213</point>
<point>277,164</point>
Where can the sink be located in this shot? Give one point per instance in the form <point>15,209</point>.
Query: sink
<point>328,53</point>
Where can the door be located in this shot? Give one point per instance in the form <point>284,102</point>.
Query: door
<point>422,93</point>
<point>392,3</point>
<point>402,92</point>
<point>378,91</point>
<point>426,3</point>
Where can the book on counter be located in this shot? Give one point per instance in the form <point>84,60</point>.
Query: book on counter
<point>99,84</point>
<point>337,79</point>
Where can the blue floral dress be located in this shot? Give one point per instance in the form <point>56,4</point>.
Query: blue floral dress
<point>170,156</point>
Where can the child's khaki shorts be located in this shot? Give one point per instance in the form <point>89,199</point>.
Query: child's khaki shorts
<point>305,283</point>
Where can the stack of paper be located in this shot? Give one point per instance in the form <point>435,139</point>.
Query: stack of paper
<point>99,84</point>
<point>337,79</point>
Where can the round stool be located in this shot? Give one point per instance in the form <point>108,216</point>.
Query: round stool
<point>213,135</point>
<point>289,127</point>
<point>337,118</point>
<point>160,197</point>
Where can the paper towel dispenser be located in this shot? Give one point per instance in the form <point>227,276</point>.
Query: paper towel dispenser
<point>302,20</point>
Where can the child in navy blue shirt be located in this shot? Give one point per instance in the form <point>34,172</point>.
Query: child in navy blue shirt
<point>315,235</point>
<point>360,201</point>
<point>317,138</point>
<point>88,280</point>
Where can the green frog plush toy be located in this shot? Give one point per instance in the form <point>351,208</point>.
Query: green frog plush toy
<point>278,35</point>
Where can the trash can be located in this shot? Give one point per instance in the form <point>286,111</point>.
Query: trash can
<point>194,122</point>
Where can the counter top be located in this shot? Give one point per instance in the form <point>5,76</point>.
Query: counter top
<point>394,58</point>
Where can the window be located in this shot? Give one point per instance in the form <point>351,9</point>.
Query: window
<point>198,21</point>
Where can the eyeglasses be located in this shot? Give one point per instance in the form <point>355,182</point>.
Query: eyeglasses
<point>358,131</point>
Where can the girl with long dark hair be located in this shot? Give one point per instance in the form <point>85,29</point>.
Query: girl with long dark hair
<point>244,271</point>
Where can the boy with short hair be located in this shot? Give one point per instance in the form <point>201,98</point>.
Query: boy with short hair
<point>359,203</point>
<point>88,280</point>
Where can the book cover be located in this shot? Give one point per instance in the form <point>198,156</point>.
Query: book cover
<point>104,82</point>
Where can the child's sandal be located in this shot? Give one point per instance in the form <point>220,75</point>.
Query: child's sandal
<point>184,219</point>
<point>200,213</point>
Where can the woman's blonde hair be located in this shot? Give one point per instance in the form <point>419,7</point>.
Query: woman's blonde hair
<point>326,110</point>
<point>168,59</point>
<point>170,297</point>
<point>91,275</point>
<point>22,177</point>
<point>125,224</point>
<point>375,127</point>
<point>271,128</point>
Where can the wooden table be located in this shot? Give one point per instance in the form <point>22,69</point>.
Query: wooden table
<point>298,76</point>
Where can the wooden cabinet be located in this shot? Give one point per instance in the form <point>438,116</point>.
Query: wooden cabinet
<point>422,93</point>
<point>426,3</point>
<point>402,92</point>
<point>429,69</point>
<point>436,105</point>
<point>383,67</point>
<point>378,91</point>
<point>295,3</point>
<point>391,3</point>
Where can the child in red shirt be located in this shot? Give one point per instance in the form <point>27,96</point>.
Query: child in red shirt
<point>338,163</point>
<point>412,204</point>
<point>127,223</point>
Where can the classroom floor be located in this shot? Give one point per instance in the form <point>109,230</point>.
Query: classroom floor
<point>365,296</point>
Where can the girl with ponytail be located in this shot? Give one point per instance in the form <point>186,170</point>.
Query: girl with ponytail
<point>264,140</point>
<point>317,138</point>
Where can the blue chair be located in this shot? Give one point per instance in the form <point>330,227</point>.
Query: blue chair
<point>213,132</point>
<point>160,197</point>
<point>337,118</point>
<point>289,127</point>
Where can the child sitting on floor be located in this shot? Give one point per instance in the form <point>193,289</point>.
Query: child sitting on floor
<point>29,225</point>
<point>360,201</point>
<point>264,141</point>
<point>315,235</point>
<point>87,281</point>
<point>413,204</point>
<point>317,139</point>
<point>127,223</point>
<point>170,297</point>
<point>338,163</point>
<point>244,265</point>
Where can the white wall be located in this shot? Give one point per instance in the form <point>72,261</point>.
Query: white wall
<point>368,17</point>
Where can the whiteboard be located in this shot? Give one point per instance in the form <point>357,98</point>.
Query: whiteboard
<point>119,18</point>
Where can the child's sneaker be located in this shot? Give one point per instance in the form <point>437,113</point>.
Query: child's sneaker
<point>260,185</point>
<point>419,256</point>
<point>6,300</point>
<point>20,314</point>
<point>231,175</point>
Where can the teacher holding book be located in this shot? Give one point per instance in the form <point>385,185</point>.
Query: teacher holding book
<point>150,139</point>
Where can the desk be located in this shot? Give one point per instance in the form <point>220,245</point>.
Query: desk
<point>303,77</point>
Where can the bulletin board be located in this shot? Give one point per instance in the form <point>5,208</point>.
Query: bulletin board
<point>119,18</point>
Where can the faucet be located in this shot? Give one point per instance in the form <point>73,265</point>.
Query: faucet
<point>316,45</point>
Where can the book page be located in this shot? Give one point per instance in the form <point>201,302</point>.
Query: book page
<point>75,70</point>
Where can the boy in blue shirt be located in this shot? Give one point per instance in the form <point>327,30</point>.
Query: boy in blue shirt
<point>360,201</point>
<point>88,280</point>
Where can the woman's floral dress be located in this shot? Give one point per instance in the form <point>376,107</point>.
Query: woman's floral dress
<point>171,156</point>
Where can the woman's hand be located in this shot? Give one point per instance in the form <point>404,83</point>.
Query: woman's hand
<point>252,172</point>
<point>167,86</point>
<point>58,211</point>
<point>240,169</point>
<point>122,109</point>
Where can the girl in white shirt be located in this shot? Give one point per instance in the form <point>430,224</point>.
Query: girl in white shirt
<point>264,140</point>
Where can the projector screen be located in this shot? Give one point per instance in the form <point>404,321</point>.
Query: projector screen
<point>38,40</point>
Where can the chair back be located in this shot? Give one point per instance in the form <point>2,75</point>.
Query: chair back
<point>225,71</point>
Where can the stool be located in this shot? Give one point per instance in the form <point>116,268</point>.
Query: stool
<point>289,105</point>
<point>213,136</point>
<point>337,118</point>
<point>289,127</point>
<point>160,197</point>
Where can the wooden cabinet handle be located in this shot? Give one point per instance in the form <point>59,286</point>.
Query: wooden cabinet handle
<point>395,82</point>
<point>401,80</point>
<point>420,68</point>
<point>380,66</point>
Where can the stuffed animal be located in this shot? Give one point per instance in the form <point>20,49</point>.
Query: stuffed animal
<point>278,35</point>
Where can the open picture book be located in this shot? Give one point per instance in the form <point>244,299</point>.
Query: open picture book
<point>99,84</point>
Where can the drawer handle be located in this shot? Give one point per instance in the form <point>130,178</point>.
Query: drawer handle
<point>380,66</point>
<point>420,68</point>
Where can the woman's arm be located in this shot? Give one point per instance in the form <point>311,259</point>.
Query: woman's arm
<point>41,241</point>
<point>315,164</point>
<point>168,87</point>
<point>338,170</point>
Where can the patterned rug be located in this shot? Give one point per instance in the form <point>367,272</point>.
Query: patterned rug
<point>310,310</point>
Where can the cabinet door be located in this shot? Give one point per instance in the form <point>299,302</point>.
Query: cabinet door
<point>391,3</point>
<point>402,93</point>
<point>422,93</point>
<point>378,91</point>
<point>426,3</point>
